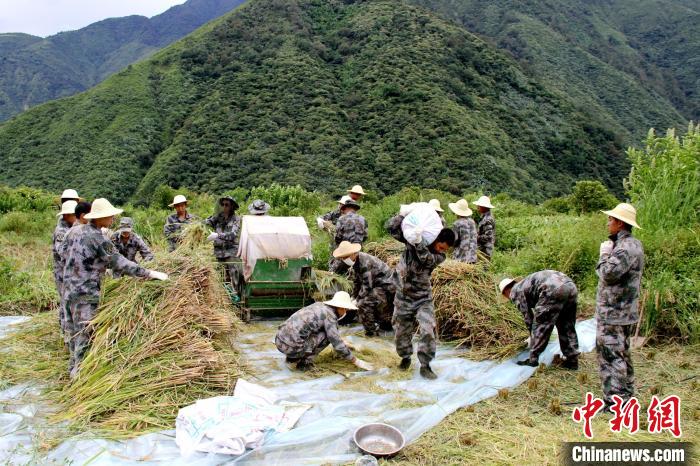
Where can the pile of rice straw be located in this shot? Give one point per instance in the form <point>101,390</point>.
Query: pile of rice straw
<point>328,283</point>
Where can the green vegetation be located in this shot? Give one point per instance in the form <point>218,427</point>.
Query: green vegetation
<point>35,70</point>
<point>319,94</point>
<point>631,63</point>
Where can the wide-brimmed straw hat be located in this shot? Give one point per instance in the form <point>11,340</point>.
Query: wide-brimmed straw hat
<point>258,206</point>
<point>70,194</point>
<point>625,213</point>
<point>505,283</point>
<point>67,208</point>
<point>102,208</point>
<point>435,204</point>
<point>351,203</point>
<point>460,208</point>
<point>126,224</point>
<point>341,299</point>
<point>179,199</point>
<point>484,201</point>
<point>357,189</point>
<point>344,199</point>
<point>346,248</point>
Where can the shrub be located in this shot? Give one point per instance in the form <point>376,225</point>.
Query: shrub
<point>286,200</point>
<point>25,199</point>
<point>558,205</point>
<point>591,196</point>
<point>24,223</point>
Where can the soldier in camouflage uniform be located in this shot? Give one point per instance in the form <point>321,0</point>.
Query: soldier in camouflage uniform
<point>619,270</point>
<point>227,227</point>
<point>65,222</point>
<point>311,329</point>
<point>351,227</point>
<point>129,244</point>
<point>413,302</point>
<point>373,288</point>
<point>546,299</point>
<point>486,237</point>
<point>333,215</point>
<point>88,254</point>
<point>175,222</point>
<point>465,231</point>
<point>258,207</point>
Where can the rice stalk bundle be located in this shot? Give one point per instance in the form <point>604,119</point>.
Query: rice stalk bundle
<point>192,236</point>
<point>328,283</point>
<point>388,251</point>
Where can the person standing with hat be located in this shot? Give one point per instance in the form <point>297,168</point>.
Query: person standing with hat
<point>227,227</point>
<point>465,232</point>
<point>546,299</point>
<point>311,329</point>
<point>619,271</point>
<point>356,193</point>
<point>486,236</point>
<point>70,195</point>
<point>81,210</point>
<point>373,288</point>
<point>175,222</point>
<point>88,255</point>
<point>128,243</point>
<point>351,227</point>
<point>65,222</point>
<point>435,204</point>
<point>332,216</point>
<point>258,207</point>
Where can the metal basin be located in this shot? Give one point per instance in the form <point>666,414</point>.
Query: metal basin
<point>378,439</point>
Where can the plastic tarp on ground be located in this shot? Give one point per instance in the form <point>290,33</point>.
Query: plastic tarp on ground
<point>323,434</point>
<point>266,237</point>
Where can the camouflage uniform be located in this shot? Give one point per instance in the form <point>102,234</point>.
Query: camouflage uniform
<point>135,244</point>
<point>373,290</point>
<point>617,303</point>
<point>487,234</point>
<point>308,331</point>
<point>332,216</point>
<point>59,235</point>
<point>350,227</point>
<point>465,247</point>
<point>88,254</point>
<point>172,228</point>
<point>548,298</point>
<point>226,245</point>
<point>413,302</point>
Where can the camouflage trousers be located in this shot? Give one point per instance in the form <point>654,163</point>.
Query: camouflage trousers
<point>555,309</point>
<point>408,316</point>
<point>78,316</point>
<point>232,272</point>
<point>62,313</point>
<point>313,345</point>
<point>375,310</point>
<point>615,361</point>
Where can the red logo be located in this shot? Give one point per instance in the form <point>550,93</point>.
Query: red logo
<point>587,412</point>
<point>665,415</point>
<point>626,416</point>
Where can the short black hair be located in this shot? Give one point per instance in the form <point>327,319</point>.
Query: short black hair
<point>82,208</point>
<point>446,236</point>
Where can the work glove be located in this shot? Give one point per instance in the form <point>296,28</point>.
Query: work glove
<point>213,237</point>
<point>528,342</point>
<point>154,275</point>
<point>606,248</point>
<point>319,222</point>
<point>364,365</point>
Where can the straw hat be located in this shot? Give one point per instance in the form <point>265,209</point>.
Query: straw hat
<point>341,299</point>
<point>346,248</point>
<point>102,208</point>
<point>357,189</point>
<point>126,224</point>
<point>70,194</point>
<point>179,199</point>
<point>505,283</point>
<point>258,206</point>
<point>435,204</point>
<point>460,208</point>
<point>625,213</point>
<point>351,203</point>
<point>344,199</point>
<point>67,208</point>
<point>484,201</point>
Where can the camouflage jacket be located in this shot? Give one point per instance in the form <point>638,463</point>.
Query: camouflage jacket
<point>619,277</point>
<point>526,294</point>
<point>226,245</point>
<point>417,262</point>
<point>59,235</point>
<point>172,228</point>
<point>442,219</point>
<point>351,227</point>
<point>88,254</point>
<point>371,274</point>
<point>135,244</point>
<point>312,320</point>
<point>332,216</point>
<point>465,247</point>
<point>487,234</point>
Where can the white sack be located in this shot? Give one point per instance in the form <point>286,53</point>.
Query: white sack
<point>420,222</point>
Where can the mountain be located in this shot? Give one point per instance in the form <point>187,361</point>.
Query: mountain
<point>634,63</point>
<point>320,93</point>
<point>35,70</point>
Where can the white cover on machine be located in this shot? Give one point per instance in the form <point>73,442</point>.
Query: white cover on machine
<point>420,222</point>
<point>266,237</point>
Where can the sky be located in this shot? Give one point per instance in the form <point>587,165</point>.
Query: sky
<point>47,17</point>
